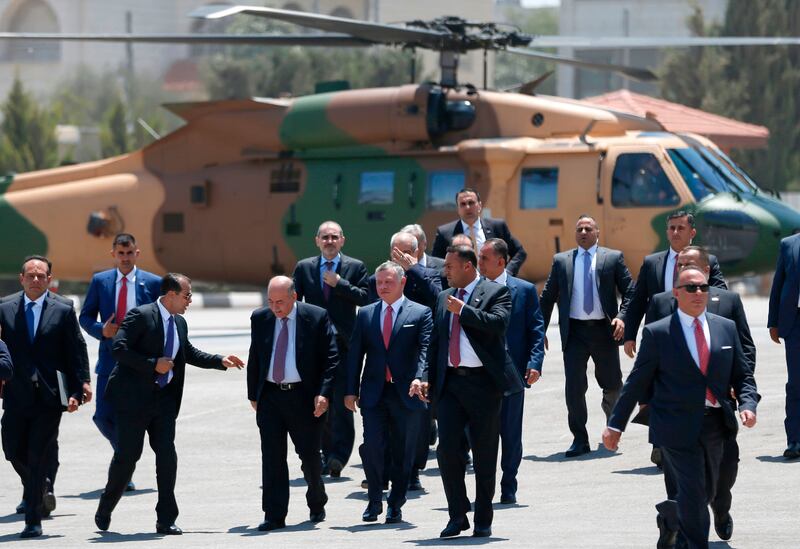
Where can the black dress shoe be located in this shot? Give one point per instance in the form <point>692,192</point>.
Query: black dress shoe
<point>455,527</point>
<point>577,449</point>
<point>102,521</point>
<point>792,451</point>
<point>20,510</point>
<point>130,487</point>
<point>170,530</point>
<point>508,499</point>
<point>666,537</point>
<point>48,504</point>
<point>481,531</point>
<point>723,526</point>
<point>393,515</point>
<point>371,513</point>
<point>270,525</point>
<point>31,531</point>
<point>414,485</point>
<point>335,467</point>
<point>317,517</point>
<point>655,456</point>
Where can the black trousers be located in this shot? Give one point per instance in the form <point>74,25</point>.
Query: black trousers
<point>27,438</point>
<point>281,413</point>
<point>471,401</point>
<point>423,439</point>
<point>695,470</point>
<point>589,340</point>
<point>158,421</point>
<point>339,432</point>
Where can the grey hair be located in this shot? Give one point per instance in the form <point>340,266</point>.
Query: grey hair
<point>397,235</point>
<point>391,266</point>
<point>417,231</point>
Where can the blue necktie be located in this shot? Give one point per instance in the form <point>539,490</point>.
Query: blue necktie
<point>588,292</point>
<point>31,319</point>
<point>169,348</point>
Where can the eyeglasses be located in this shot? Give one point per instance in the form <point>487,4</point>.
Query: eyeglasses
<point>692,288</point>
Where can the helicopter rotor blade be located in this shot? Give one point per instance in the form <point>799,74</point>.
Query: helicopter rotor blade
<point>628,42</point>
<point>366,30</point>
<point>529,87</point>
<point>642,75</point>
<point>323,40</point>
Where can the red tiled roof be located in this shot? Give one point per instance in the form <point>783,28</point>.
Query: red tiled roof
<point>725,132</point>
<point>182,76</point>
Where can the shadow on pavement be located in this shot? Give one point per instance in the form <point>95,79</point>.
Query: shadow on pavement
<point>250,531</point>
<point>647,471</point>
<point>458,540</point>
<point>13,517</point>
<point>776,459</point>
<point>114,537</point>
<point>95,494</point>
<point>15,537</point>
<point>599,453</point>
<point>371,527</point>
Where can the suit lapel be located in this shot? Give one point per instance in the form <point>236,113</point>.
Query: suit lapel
<point>401,318</point>
<point>377,323</point>
<point>19,315</point>
<point>661,265</point>
<point>599,265</point>
<point>569,269</point>
<point>713,302</point>
<point>315,277</point>
<point>47,314</point>
<point>300,330</point>
<point>111,291</point>
<point>715,333</point>
<point>487,229</point>
<point>679,341</point>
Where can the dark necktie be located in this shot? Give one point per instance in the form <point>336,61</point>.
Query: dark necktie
<point>281,346</point>
<point>588,292</point>
<point>122,301</point>
<point>387,335</point>
<point>455,335</point>
<point>169,348</point>
<point>675,271</point>
<point>326,288</point>
<point>31,320</point>
<point>703,356</point>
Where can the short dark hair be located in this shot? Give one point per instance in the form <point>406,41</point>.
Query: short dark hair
<point>124,240</point>
<point>682,213</point>
<point>465,253</point>
<point>704,255</point>
<point>36,257</point>
<point>171,282</point>
<point>688,268</point>
<point>499,246</point>
<point>587,216</point>
<point>469,190</point>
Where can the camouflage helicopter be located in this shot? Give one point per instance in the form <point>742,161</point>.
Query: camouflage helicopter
<point>237,193</point>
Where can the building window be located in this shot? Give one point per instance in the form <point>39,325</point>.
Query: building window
<point>538,188</point>
<point>32,16</point>
<point>442,189</point>
<point>639,181</point>
<point>376,188</point>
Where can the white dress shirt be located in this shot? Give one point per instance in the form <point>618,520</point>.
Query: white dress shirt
<point>469,359</point>
<point>672,257</point>
<point>687,323</point>
<point>502,279</point>
<point>131,284</point>
<point>290,372</point>
<point>480,238</point>
<point>395,310</point>
<point>576,301</point>
<point>165,314</point>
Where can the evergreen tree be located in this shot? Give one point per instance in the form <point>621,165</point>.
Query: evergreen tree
<point>114,133</point>
<point>27,134</point>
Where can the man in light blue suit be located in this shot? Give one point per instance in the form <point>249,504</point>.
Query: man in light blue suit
<point>110,296</point>
<point>784,322</point>
<point>525,345</point>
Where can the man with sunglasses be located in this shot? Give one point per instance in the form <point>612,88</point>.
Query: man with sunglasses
<point>585,282</point>
<point>687,364</point>
<point>728,305</point>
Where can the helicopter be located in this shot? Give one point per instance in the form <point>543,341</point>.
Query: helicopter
<point>236,194</point>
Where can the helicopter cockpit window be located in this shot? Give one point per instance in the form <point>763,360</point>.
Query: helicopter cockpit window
<point>538,188</point>
<point>442,187</point>
<point>376,188</point>
<point>639,180</point>
<point>701,177</point>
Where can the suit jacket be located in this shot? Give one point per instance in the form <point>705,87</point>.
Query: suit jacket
<point>436,263</point>
<point>484,320</point>
<point>783,297</point>
<point>6,366</point>
<point>611,277</point>
<point>651,282</point>
<point>56,347</point>
<point>721,302</point>
<point>100,301</point>
<point>492,228</point>
<point>316,355</point>
<point>136,348</point>
<point>405,357</point>
<point>525,333</point>
<point>349,293</point>
<point>423,285</point>
<point>665,367</point>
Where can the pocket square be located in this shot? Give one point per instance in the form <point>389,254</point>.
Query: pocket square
<point>408,325</point>
<point>715,298</point>
<point>727,347</point>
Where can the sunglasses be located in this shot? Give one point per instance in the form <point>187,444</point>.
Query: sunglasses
<point>692,288</point>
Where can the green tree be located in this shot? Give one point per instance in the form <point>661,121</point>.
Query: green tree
<point>114,137</point>
<point>27,134</point>
<point>510,69</point>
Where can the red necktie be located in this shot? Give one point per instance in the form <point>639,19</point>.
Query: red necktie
<point>387,334</point>
<point>703,355</point>
<point>455,335</point>
<point>122,301</point>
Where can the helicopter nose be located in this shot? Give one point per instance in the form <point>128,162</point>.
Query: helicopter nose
<point>731,235</point>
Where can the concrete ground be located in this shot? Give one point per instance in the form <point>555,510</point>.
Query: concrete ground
<point>601,500</point>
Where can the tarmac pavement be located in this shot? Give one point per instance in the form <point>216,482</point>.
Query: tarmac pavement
<point>601,500</point>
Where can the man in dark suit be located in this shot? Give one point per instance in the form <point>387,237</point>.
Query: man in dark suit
<point>466,374</point>
<point>478,230</point>
<point>111,295</point>
<point>41,334</point>
<point>525,345</point>
<point>423,258</point>
<point>585,282</point>
<point>6,366</point>
<point>152,349</point>
<point>784,322</point>
<point>338,284</point>
<point>687,364</point>
<point>423,284</point>
<point>658,271</point>
<point>290,378</point>
<point>393,334</point>
<point>728,305</point>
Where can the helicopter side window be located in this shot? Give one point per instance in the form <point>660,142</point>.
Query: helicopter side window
<point>376,188</point>
<point>639,180</point>
<point>538,188</point>
<point>442,187</point>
